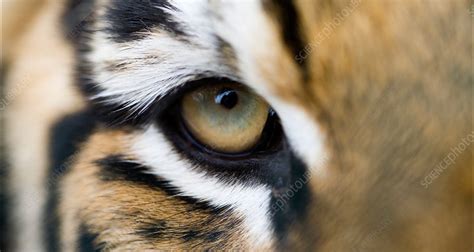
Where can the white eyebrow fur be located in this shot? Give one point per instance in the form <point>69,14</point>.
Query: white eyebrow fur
<point>172,61</point>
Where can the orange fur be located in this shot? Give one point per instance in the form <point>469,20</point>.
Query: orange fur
<point>391,87</point>
<point>117,210</point>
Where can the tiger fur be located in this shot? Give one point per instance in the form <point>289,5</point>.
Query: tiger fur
<point>371,95</point>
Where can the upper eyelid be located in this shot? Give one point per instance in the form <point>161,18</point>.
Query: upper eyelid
<point>172,96</point>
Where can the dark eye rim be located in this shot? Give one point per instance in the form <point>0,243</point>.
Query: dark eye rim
<point>253,166</point>
<point>265,163</point>
<point>169,116</point>
<point>172,121</point>
<point>270,137</point>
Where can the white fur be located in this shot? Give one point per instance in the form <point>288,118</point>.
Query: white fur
<point>250,202</point>
<point>174,62</point>
<point>247,28</point>
<point>257,42</point>
<point>304,135</point>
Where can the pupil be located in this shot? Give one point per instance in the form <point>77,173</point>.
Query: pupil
<point>227,98</point>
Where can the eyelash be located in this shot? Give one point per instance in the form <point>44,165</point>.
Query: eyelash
<point>174,96</point>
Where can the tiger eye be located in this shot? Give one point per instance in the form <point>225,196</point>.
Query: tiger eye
<point>226,118</point>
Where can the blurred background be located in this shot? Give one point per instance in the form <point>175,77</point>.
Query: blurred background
<point>16,15</point>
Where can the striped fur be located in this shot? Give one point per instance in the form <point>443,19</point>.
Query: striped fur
<point>372,95</point>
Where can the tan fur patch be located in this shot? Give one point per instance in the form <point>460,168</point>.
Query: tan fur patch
<point>390,84</point>
<point>38,91</point>
<point>118,210</point>
<point>393,88</point>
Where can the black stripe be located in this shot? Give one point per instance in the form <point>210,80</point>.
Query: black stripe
<point>5,231</point>
<point>66,135</point>
<point>289,205</point>
<point>87,241</point>
<point>116,168</point>
<point>130,19</point>
<point>77,17</point>
<point>286,14</point>
<point>205,235</point>
<point>161,230</point>
<point>5,206</point>
<point>153,229</point>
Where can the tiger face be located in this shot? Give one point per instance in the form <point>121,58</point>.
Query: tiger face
<point>262,125</point>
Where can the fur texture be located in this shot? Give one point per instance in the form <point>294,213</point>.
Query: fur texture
<point>372,96</point>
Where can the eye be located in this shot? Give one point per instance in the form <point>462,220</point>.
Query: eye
<point>227,130</point>
<point>226,118</point>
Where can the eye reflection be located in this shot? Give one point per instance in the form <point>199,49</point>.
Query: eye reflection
<point>226,118</point>
<point>227,98</point>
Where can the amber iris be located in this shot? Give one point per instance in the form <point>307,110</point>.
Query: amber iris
<point>226,118</point>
